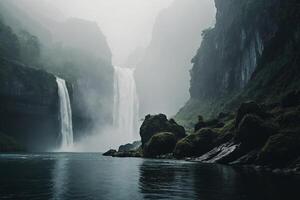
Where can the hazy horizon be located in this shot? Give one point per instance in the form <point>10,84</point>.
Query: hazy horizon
<point>127,25</point>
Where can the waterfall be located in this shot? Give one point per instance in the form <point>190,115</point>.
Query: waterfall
<point>125,116</point>
<point>65,115</point>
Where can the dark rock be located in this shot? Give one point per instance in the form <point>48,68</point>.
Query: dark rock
<point>224,154</point>
<point>160,144</point>
<point>130,147</point>
<point>195,144</point>
<point>291,99</point>
<point>110,152</point>
<point>289,119</point>
<point>248,108</point>
<point>254,131</point>
<point>154,124</point>
<point>222,115</point>
<point>280,149</point>
<point>246,159</point>
<point>29,106</point>
<point>213,123</point>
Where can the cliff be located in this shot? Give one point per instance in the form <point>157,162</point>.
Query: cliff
<point>28,106</point>
<point>252,53</point>
<point>73,49</point>
<point>162,75</point>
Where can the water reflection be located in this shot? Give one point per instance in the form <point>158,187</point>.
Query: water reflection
<point>166,180</point>
<point>169,180</point>
<point>60,177</point>
<point>93,177</point>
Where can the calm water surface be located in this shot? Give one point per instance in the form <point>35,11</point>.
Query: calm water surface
<point>69,176</point>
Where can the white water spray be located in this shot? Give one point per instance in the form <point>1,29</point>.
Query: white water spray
<point>126,103</point>
<point>65,116</point>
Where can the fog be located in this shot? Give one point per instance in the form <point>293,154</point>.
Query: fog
<point>81,40</point>
<point>127,24</point>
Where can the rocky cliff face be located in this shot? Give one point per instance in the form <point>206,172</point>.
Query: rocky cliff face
<point>73,49</point>
<point>163,72</point>
<point>28,106</point>
<point>251,53</point>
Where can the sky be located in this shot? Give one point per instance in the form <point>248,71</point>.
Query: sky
<point>127,24</point>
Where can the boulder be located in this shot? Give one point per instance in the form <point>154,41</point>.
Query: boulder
<point>160,144</point>
<point>280,149</point>
<point>248,108</point>
<point>253,131</point>
<point>196,144</point>
<point>154,124</point>
<point>110,152</point>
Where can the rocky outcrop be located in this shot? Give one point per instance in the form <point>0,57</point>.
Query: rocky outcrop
<point>160,144</point>
<point>154,124</point>
<point>28,106</point>
<point>196,144</point>
<point>251,54</point>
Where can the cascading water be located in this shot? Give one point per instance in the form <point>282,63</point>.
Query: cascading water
<point>125,103</point>
<point>65,116</point>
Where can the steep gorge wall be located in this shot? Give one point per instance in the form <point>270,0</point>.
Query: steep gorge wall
<point>29,111</point>
<point>162,76</point>
<point>252,53</point>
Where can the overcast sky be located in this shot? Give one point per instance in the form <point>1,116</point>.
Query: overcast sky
<point>127,24</point>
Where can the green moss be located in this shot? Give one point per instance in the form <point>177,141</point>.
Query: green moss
<point>195,144</point>
<point>160,144</point>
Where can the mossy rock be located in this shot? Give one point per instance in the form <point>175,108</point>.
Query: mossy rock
<point>281,149</point>
<point>253,131</point>
<point>160,144</point>
<point>110,152</point>
<point>195,144</point>
<point>154,124</point>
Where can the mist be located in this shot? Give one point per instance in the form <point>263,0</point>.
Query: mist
<point>82,42</point>
<point>126,25</point>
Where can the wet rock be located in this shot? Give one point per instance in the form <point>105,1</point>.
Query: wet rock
<point>196,144</point>
<point>224,153</point>
<point>154,124</point>
<point>280,149</point>
<point>160,144</point>
<point>253,131</point>
<point>247,159</point>
<point>110,152</point>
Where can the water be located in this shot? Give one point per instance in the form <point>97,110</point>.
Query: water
<point>125,102</point>
<point>65,116</point>
<point>90,176</point>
